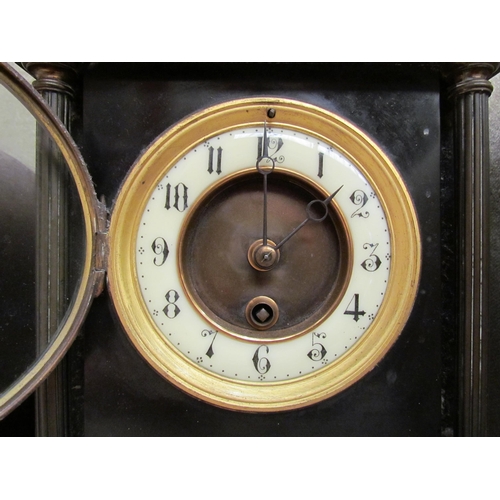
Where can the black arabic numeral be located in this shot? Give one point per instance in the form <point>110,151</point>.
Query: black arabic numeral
<point>276,145</point>
<point>160,248</point>
<point>318,352</point>
<point>261,363</point>
<point>320,164</point>
<point>171,310</point>
<point>259,146</point>
<point>353,308</point>
<point>207,333</point>
<point>359,197</point>
<point>372,263</point>
<point>179,194</point>
<point>273,145</point>
<point>218,167</point>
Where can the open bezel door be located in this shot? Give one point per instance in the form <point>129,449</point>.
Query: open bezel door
<point>84,290</point>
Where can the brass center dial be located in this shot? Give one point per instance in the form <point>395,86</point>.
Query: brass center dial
<point>225,266</point>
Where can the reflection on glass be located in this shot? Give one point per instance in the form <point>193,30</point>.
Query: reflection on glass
<point>17,130</point>
<point>40,250</point>
<point>18,235</point>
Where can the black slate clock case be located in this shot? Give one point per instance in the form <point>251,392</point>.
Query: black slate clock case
<point>126,106</point>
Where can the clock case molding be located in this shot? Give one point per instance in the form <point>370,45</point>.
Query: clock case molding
<point>82,94</point>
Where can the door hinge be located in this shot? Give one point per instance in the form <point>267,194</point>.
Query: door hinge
<point>102,247</point>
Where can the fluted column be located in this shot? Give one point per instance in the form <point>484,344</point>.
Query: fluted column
<point>56,83</point>
<point>470,91</point>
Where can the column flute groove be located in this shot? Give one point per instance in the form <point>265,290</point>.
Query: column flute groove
<point>470,91</point>
<point>55,82</point>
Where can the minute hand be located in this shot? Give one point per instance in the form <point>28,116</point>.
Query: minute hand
<point>310,216</point>
<point>265,171</point>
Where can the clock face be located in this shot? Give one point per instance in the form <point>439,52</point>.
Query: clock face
<point>264,255</point>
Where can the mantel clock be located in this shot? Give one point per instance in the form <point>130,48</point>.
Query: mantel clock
<point>260,251</point>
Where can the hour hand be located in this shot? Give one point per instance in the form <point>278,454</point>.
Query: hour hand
<point>311,216</point>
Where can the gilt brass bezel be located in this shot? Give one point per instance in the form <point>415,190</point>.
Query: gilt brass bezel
<point>405,255</point>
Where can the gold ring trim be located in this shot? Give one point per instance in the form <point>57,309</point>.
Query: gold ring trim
<point>405,261</point>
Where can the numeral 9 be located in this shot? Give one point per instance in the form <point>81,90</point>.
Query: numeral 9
<point>160,248</point>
